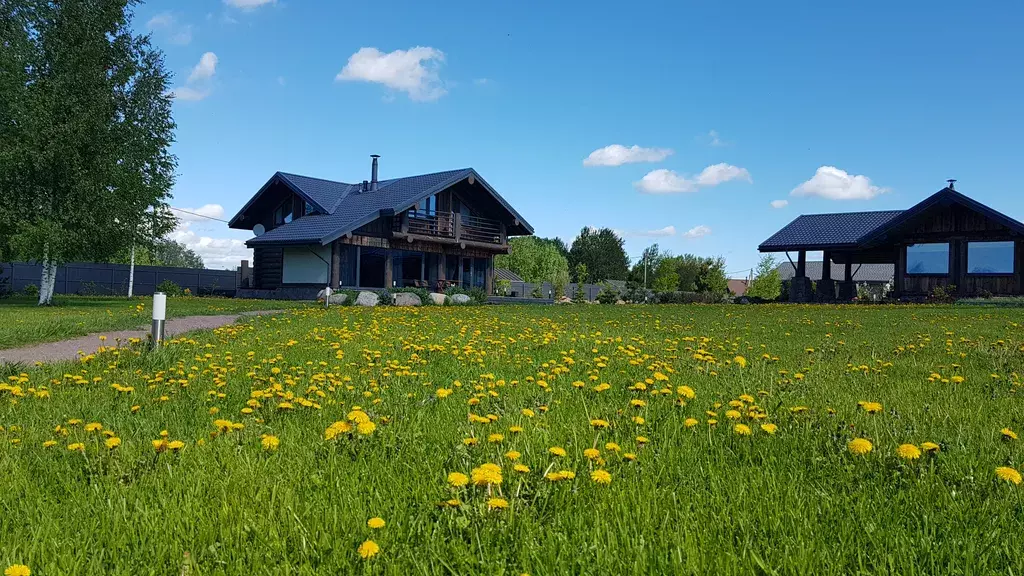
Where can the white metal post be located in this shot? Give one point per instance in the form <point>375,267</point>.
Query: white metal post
<point>159,316</point>
<point>131,274</point>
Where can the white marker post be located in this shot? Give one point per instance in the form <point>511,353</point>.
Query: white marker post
<point>159,315</point>
<point>327,297</point>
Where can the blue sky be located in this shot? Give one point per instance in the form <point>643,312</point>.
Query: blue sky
<point>732,105</point>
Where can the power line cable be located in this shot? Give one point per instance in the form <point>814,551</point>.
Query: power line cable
<point>197,214</point>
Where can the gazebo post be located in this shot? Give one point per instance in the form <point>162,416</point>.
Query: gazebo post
<point>826,286</point>
<point>800,285</point>
<point>848,288</point>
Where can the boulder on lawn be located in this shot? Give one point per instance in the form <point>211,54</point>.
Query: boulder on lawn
<point>437,299</point>
<point>460,298</point>
<point>564,300</point>
<point>338,299</point>
<point>367,299</point>
<point>407,299</point>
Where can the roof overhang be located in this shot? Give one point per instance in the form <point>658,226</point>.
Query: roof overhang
<point>237,221</point>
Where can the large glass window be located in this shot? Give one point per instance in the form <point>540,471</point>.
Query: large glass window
<point>990,257</point>
<point>283,214</point>
<point>928,259</point>
<point>427,206</point>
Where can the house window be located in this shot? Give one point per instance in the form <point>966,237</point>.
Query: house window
<point>427,206</point>
<point>990,257</point>
<point>928,259</point>
<point>283,214</point>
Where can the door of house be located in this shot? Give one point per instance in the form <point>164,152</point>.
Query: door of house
<point>466,277</point>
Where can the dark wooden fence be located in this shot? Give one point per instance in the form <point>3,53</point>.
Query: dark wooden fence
<point>92,279</point>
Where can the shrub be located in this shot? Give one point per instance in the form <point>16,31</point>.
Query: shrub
<point>386,298</point>
<point>943,294</point>
<point>688,298</point>
<point>476,295</point>
<point>608,294</point>
<point>580,294</point>
<point>5,284</point>
<point>169,287</point>
<point>30,290</point>
<point>636,293</point>
<point>536,293</point>
<point>350,297</point>
<point>503,287</point>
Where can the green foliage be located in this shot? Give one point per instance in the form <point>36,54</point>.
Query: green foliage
<point>536,293</point>
<point>602,252</point>
<point>679,297</point>
<point>579,273</point>
<point>766,283</point>
<point>666,276</point>
<point>943,294</point>
<point>164,252</point>
<point>169,287</point>
<point>30,290</point>
<point>476,295</point>
<point>502,287</point>
<point>423,294</point>
<point>559,283</point>
<point>608,294</point>
<point>533,259</point>
<point>85,166</point>
<point>647,264</point>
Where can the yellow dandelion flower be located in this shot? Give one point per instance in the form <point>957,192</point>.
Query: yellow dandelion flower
<point>521,468</point>
<point>908,452</point>
<point>557,451</point>
<point>597,423</point>
<point>733,414</point>
<point>270,443</point>
<point>601,477</point>
<point>859,446</point>
<point>497,504</point>
<point>175,445</point>
<point>375,523</point>
<point>76,447</point>
<point>691,422</point>
<point>742,430</point>
<point>1008,474</point>
<point>592,453</point>
<point>49,444</point>
<point>769,428</point>
<point>741,361</point>
<point>612,447</point>
<point>368,549</point>
<point>366,428</point>
<point>486,474</point>
<point>458,479</point>
<point>1008,434</point>
<point>93,427</point>
<point>17,570</point>
<point>930,447</point>
<point>112,442</point>
<point>513,455</point>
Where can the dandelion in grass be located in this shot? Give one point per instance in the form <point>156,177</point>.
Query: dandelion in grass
<point>443,392</point>
<point>691,422</point>
<point>368,549</point>
<point>733,414</point>
<point>859,446</point>
<point>557,451</point>
<point>908,452</point>
<point>497,504</point>
<point>871,407</point>
<point>930,447</point>
<point>112,442</point>
<point>741,430</point>
<point>527,412</point>
<point>366,428</point>
<point>612,447</point>
<point>642,440</point>
<point>521,468</point>
<point>270,443</point>
<point>17,570</point>
<point>769,428</point>
<point>1008,434</point>
<point>175,445</point>
<point>740,361</point>
<point>629,456</point>
<point>1008,474</point>
<point>93,427</point>
<point>513,455</point>
<point>486,474</point>
<point>601,477</point>
<point>375,523</point>
<point>592,453</point>
<point>599,424</point>
<point>49,444</point>
<point>76,447</point>
<point>458,479</point>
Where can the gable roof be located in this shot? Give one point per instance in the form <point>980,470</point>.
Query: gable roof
<point>506,274</point>
<point>861,272</point>
<point>863,229</point>
<point>823,231</point>
<point>344,207</point>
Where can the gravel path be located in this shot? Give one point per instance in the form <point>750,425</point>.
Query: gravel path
<point>69,349</point>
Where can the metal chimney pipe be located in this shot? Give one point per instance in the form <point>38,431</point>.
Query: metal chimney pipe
<point>373,173</point>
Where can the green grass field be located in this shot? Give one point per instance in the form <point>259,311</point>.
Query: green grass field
<point>250,449</point>
<point>23,322</point>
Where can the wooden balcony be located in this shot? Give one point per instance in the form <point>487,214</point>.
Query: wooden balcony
<point>450,228</point>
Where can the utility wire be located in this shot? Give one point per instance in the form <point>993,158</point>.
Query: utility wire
<point>197,214</point>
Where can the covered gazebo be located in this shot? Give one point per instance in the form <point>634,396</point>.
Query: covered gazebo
<point>946,240</point>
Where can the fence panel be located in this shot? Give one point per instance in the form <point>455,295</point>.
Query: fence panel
<point>112,279</point>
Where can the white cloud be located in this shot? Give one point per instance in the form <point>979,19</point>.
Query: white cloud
<point>660,232</point>
<point>197,87</point>
<point>413,71</point>
<point>780,203</point>
<point>217,252</point>
<point>697,231</point>
<point>205,69</point>
<point>617,155</point>
<point>189,94</point>
<point>168,26</point>
<point>664,181</point>
<point>721,173</point>
<point>715,139</point>
<point>834,184</point>
<point>248,4</point>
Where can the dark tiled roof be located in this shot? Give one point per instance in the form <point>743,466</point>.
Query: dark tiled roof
<point>824,230</point>
<point>861,272</point>
<point>347,207</point>
<point>506,274</point>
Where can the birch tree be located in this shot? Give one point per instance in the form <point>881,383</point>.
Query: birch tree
<point>86,124</point>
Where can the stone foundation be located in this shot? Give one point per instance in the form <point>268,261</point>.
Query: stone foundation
<point>826,291</point>
<point>800,289</point>
<point>847,291</point>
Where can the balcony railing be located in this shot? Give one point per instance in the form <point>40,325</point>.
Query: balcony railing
<point>449,226</point>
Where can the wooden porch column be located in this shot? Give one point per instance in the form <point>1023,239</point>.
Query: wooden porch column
<point>388,268</point>
<point>901,267</point>
<point>359,257</point>
<point>442,266</point>
<point>848,272</point>
<point>489,276</point>
<point>458,226</point>
<point>801,264</point>
<point>335,265</point>
<point>826,265</point>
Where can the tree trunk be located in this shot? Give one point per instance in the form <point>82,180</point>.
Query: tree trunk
<point>49,278</point>
<point>131,274</point>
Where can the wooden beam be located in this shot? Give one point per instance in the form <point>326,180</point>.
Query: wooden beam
<point>489,276</point>
<point>335,265</point>
<point>847,272</point>
<point>388,268</point>
<point>801,264</point>
<point>826,265</point>
<point>359,257</point>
